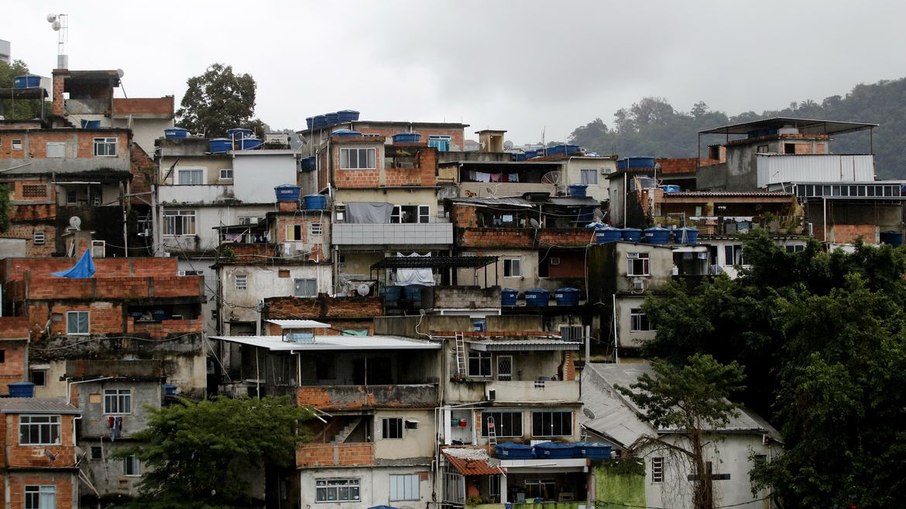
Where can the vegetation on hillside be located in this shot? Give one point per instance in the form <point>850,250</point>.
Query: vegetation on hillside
<point>653,127</point>
<point>823,342</point>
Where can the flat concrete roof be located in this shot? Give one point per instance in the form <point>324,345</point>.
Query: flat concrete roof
<point>333,343</point>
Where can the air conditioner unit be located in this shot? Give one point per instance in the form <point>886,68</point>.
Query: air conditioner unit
<point>98,248</point>
<point>639,284</point>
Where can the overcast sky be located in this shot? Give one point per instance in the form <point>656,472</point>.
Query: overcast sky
<point>526,66</point>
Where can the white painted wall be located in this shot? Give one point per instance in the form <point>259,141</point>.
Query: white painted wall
<point>374,486</point>
<point>263,282</point>
<point>257,172</point>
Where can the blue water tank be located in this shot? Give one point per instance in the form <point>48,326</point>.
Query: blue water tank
<point>169,389</point>
<point>893,238</point>
<point>345,132</point>
<point>287,192</point>
<point>308,164</point>
<point>314,202</point>
<point>220,145</point>
<point>577,190</point>
<point>176,133</point>
<point>607,234</point>
<point>556,450</point>
<point>594,450</point>
<point>670,188</point>
<point>332,118</point>
<point>391,294</point>
<point>537,298</point>
<point>635,162</point>
<point>508,296</point>
<point>319,121</point>
<point>248,143</point>
<point>347,116</point>
<point>531,154</point>
<point>632,234</point>
<point>685,235</point>
<point>91,124</point>
<point>160,315</point>
<point>239,132</point>
<point>511,451</point>
<point>21,390</point>
<point>567,296</point>
<point>413,294</point>
<point>407,137</point>
<point>27,81</point>
<point>657,235</point>
<point>309,121</point>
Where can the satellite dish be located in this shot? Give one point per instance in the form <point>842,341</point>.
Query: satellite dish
<point>363,289</point>
<point>51,18</point>
<point>551,177</point>
<point>598,215</point>
<point>56,25</point>
<point>120,73</point>
<point>534,222</point>
<point>75,222</point>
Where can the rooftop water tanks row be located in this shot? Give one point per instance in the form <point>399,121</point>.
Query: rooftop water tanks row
<point>540,297</point>
<point>656,235</point>
<point>329,119</point>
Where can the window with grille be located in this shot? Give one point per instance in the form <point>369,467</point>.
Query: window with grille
<point>242,282</point>
<point>39,429</point>
<point>34,191</point>
<point>305,288</point>
<point>638,320</point>
<point>336,490</point>
<point>392,427</point>
<point>404,487</point>
<point>38,238</point>
<point>657,469</point>
<point>358,158</point>
<point>479,363</point>
<point>179,222</point>
<point>226,174</point>
<point>117,401</point>
<point>17,144</point>
<point>77,322</point>
<point>316,229</point>
<point>105,147</point>
<point>552,424</point>
<point>506,424</point>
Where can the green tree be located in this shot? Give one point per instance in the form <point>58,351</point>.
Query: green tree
<point>4,207</point>
<point>18,109</point>
<point>199,455</point>
<point>218,100</point>
<point>693,400</point>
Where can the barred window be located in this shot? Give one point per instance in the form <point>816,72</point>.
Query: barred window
<point>34,191</point>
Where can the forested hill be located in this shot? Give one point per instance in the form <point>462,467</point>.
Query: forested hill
<point>652,127</point>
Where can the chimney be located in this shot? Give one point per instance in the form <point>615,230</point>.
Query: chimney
<point>59,84</point>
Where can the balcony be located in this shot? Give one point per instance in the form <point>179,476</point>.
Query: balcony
<point>402,234</point>
<point>353,397</point>
<point>196,194</point>
<point>534,391</point>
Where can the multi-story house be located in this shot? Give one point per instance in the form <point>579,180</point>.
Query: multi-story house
<point>110,344</point>
<point>374,397</point>
<point>838,192</point>
<point>204,187</point>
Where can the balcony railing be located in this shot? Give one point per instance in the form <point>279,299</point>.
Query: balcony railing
<point>347,397</point>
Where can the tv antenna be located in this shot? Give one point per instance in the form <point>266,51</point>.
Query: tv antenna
<point>60,24</point>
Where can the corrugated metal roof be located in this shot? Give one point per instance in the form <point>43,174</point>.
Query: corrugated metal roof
<point>805,126</point>
<point>534,345</point>
<point>494,202</point>
<point>36,406</point>
<point>335,343</point>
<point>468,461</point>
<point>299,324</point>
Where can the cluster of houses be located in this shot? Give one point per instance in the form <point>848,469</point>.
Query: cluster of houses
<point>458,318</point>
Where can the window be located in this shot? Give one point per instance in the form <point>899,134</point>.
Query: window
<point>589,177</point>
<point>293,232</point>
<point>404,487</point>
<point>506,424</point>
<point>637,264</point>
<point>38,238</point>
<point>242,282</point>
<point>117,401</point>
<point>316,229</point>
<point>357,158</point>
<point>638,321</point>
<point>410,214</point>
<point>190,176</point>
<point>657,469</point>
<point>38,377</point>
<point>305,288</point>
<point>17,144</point>
<point>2,356</point>
<point>541,488</point>
<point>552,424</point>
<point>97,452</point>
<point>39,429</point>
<point>479,363</point>
<point>762,149</point>
<point>336,490</point>
<point>733,255</point>
<point>56,150</point>
<point>226,174</point>
<point>572,332</point>
<point>34,191</point>
<point>77,322</point>
<point>392,427</point>
<point>789,148</point>
<point>40,497</point>
<point>132,465</point>
<point>340,213</point>
<point>105,147</point>
<point>179,222</point>
<point>512,267</point>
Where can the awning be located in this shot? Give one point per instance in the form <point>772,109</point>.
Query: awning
<point>533,345</point>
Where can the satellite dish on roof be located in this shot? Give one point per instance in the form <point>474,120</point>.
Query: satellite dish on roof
<point>534,222</point>
<point>120,73</point>
<point>75,222</point>
<point>51,18</point>
<point>363,289</point>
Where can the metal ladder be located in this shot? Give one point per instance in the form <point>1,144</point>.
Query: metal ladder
<point>492,432</point>
<point>460,354</point>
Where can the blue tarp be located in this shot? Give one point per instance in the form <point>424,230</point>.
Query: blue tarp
<point>84,268</point>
